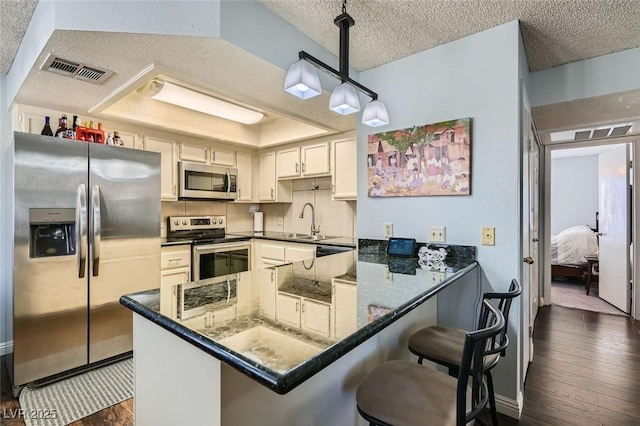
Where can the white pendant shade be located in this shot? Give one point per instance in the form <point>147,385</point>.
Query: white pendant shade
<point>181,96</point>
<point>302,80</point>
<point>375,114</point>
<point>344,99</point>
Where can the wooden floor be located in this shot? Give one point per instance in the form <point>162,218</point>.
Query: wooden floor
<point>586,371</point>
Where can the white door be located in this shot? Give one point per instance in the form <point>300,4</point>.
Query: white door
<point>613,206</point>
<point>530,277</point>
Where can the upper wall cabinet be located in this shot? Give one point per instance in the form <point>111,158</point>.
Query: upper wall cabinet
<point>206,155</point>
<point>168,166</point>
<point>304,161</point>
<point>221,157</point>
<point>344,179</point>
<point>270,189</point>
<point>315,160</point>
<point>288,163</point>
<point>244,163</point>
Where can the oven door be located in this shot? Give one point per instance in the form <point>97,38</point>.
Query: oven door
<point>216,260</point>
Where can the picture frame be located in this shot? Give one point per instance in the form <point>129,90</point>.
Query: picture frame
<point>429,160</point>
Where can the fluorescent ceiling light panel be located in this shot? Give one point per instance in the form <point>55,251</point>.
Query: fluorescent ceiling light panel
<point>302,80</point>
<point>344,99</point>
<point>181,96</point>
<point>375,114</point>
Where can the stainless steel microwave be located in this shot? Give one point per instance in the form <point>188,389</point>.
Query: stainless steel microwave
<point>207,182</point>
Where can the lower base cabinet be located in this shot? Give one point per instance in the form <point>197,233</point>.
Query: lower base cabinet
<point>307,314</point>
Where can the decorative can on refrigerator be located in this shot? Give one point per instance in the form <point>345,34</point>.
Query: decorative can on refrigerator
<point>86,231</point>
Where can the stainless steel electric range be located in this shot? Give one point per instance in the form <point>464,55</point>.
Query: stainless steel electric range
<point>213,252</point>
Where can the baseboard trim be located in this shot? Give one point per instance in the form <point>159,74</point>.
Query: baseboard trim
<point>508,407</point>
<point>6,347</point>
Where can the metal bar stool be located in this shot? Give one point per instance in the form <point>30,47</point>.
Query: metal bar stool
<point>403,393</point>
<point>444,345</point>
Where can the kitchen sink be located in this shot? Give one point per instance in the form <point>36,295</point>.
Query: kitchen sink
<point>296,236</point>
<point>314,237</point>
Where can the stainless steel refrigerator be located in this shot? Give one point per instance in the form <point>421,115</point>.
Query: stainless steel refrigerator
<point>87,230</point>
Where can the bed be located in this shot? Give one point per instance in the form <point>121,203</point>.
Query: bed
<point>569,248</point>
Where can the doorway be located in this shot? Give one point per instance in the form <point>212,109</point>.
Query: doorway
<point>589,225</point>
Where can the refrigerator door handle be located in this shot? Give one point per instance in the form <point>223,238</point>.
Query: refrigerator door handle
<point>81,229</point>
<point>95,208</point>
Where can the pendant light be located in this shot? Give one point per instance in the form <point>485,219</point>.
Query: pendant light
<point>302,80</point>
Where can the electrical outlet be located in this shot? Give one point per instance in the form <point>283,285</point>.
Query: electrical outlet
<point>488,236</point>
<point>388,276</point>
<point>388,230</point>
<point>436,277</point>
<point>279,221</point>
<point>437,234</point>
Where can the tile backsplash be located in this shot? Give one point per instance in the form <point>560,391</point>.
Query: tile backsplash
<point>336,218</point>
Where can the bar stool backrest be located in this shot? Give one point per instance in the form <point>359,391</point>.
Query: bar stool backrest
<point>504,304</point>
<point>476,347</point>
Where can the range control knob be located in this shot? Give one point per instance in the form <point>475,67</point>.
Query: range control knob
<point>176,222</point>
<point>221,220</point>
<point>215,220</point>
<point>184,222</point>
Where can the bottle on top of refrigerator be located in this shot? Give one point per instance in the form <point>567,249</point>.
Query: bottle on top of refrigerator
<point>61,132</point>
<point>46,130</point>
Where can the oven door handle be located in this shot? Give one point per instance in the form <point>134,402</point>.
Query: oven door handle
<point>228,291</point>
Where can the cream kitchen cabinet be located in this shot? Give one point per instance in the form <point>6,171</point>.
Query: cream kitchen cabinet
<point>269,253</point>
<point>306,314</point>
<point>129,140</point>
<point>304,161</point>
<point>244,164</point>
<point>270,189</point>
<point>206,155</point>
<point>168,166</point>
<point>344,180</point>
<point>345,308</point>
<point>267,283</point>
<point>193,153</point>
<point>175,268</point>
<point>315,160</point>
<point>288,163</point>
<point>221,157</point>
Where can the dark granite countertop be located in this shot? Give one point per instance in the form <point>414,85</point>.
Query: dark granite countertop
<point>247,324</point>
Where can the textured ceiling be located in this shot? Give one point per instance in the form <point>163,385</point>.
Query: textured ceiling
<point>555,32</point>
<point>14,18</point>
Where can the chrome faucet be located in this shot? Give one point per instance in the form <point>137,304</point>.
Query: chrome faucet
<point>314,230</point>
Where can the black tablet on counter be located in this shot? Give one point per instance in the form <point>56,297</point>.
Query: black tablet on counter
<point>402,247</point>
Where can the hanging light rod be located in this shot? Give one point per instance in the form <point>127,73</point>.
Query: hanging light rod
<point>302,80</point>
<point>335,73</point>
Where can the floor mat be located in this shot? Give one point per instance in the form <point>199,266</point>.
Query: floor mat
<point>71,399</point>
<point>571,294</point>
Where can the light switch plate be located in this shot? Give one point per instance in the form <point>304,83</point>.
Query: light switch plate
<point>488,236</point>
<point>437,234</point>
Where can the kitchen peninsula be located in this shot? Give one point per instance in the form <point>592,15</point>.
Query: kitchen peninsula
<point>283,345</point>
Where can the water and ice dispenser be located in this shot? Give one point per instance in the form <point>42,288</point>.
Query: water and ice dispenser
<point>52,232</point>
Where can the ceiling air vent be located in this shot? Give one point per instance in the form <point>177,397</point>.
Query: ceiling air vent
<point>75,70</point>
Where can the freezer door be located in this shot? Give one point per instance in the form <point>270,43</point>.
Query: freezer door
<point>124,234</point>
<point>50,284</point>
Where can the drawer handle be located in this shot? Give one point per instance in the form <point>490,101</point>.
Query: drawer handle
<point>175,260</point>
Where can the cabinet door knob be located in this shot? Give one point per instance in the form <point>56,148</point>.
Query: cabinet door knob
<point>303,167</point>
<point>297,168</point>
<point>528,260</point>
<point>271,192</point>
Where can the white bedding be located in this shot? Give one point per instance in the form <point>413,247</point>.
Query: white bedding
<point>572,244</point>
